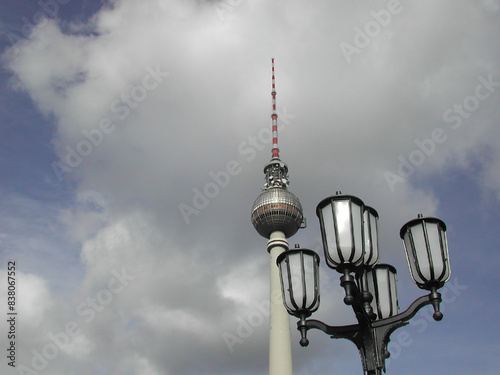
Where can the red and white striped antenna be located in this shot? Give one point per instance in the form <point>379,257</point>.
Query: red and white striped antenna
<point>274,116</point>
<point>276,172</point>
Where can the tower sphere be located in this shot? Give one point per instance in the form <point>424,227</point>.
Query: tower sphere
<point>276,209</point>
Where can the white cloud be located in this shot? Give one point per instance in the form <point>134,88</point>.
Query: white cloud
<point>34,300</point>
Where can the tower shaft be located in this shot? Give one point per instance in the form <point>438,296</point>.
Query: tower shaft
<point>280,346</point>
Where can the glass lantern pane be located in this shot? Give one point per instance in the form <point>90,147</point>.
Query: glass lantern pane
<point>285,285</point>
<point>384,296</point>
<point>315,303</point>
<point>329,234</point>
<point>296,280</point>
<point>367,236</point>
<point>447,273</point>
<point>412,261</point>
<point>422,262</point>
<point>357,222</point>
<point>371,255</point>
<point>374,239</point>
<point>394,293</point>
<point>343,219</point>
<point>309,280</point>
<point>371,288</point>
<point>436,250</point>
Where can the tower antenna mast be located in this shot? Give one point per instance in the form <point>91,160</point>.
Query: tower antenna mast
<point>274,117</point>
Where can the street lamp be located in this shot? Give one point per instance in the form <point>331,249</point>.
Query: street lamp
<point>350,243</point>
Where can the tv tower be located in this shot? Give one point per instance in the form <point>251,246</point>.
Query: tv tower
<point>277,215</point>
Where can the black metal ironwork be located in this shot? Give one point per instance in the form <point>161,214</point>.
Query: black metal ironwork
<point>371,336</point>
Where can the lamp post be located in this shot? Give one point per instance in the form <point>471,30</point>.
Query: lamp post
<point>350,242</point>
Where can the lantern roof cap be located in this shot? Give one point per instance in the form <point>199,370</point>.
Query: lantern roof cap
<point>419,220</point>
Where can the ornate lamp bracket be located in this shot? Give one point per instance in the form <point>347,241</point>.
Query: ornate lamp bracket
<point>371,337</point>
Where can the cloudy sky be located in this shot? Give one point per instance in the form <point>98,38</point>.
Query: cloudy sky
<point>133,136</point>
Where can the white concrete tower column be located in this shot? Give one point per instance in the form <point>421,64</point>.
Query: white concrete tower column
<point>280,351</point>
